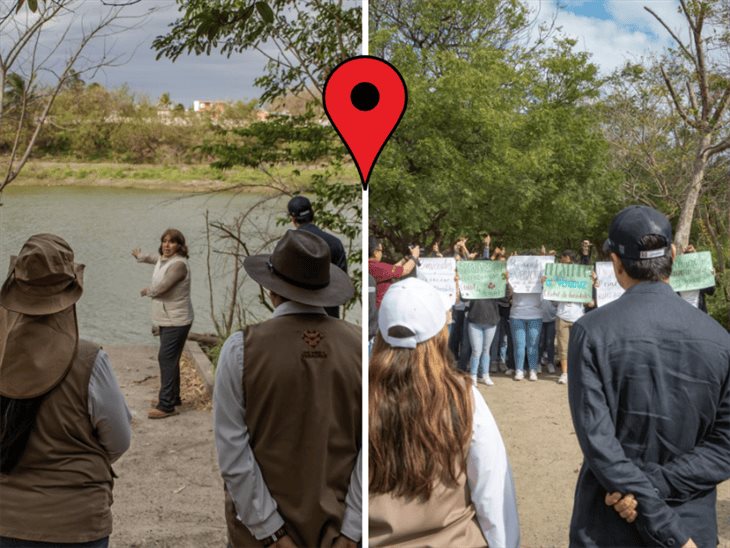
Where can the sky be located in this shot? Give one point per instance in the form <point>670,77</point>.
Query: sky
<point>613,31</point>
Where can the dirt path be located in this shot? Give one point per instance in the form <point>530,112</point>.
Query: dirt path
<point>169,491</point>
<point>535,423</point>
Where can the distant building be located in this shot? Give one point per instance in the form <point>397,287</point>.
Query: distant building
<point>214,107</point>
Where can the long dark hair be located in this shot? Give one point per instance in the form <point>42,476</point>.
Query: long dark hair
<point>17,418</point>
<point>420,418</point>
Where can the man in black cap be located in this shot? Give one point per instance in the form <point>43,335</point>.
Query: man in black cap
<point>649,394</point>
<point>302,215</point>
<point>287,407</point>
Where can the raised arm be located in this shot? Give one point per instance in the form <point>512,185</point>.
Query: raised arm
<point>142,258</point>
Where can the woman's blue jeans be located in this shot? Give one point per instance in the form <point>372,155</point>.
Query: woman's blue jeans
<point>480,338</point>
<point>526,338</point>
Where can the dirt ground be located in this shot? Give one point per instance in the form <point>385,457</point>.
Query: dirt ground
<point>535,423</point>
<point>169,492</point>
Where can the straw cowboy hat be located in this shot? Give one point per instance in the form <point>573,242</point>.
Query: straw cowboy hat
<point>38,326</point>
<point>299,269</point>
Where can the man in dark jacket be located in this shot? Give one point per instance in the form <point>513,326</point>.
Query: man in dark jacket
<point>302,215</point>
<point>650,398</point>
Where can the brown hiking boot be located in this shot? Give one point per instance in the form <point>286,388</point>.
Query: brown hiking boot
<point>155,413</point>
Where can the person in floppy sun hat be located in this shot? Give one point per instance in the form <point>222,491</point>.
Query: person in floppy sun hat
<point>63,418</point>
<point>287,406</point>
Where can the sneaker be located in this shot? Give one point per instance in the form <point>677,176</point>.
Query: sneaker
<point>533,375</point>
<point>563,378</point>
<point>155,413</point>
<point>539,368</point>
<point>519,375</point>
<point>502,367</point>
<point>509,371</point>
<point>474,380</point>
<point>485,380</point>
<point>551,367</point>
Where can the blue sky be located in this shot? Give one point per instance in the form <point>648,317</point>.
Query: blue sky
<point>613,31</point>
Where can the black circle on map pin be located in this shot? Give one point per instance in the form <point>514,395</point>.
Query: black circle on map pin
<point>364,98</point>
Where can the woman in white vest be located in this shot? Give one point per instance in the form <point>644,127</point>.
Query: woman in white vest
<point>172,312</point>
<point>439,474</point>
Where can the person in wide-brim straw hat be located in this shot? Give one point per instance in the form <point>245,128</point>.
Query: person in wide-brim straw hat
<point>298,425</point>
<point>63,419</point>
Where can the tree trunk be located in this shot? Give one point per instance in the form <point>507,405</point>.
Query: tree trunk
<point>684,225</point>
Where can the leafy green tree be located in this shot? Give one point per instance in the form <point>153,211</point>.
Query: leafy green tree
<point>310,38</point>
<point>498,137</point>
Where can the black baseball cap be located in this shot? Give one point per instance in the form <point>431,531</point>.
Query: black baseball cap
<point>299,206</point>
<point>630,225</point>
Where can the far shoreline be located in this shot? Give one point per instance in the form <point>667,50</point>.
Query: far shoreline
<point>186,178</point>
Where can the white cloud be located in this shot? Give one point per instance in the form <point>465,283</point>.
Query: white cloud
<point>631,34</point>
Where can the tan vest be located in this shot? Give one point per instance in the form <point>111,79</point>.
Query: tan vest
<point>446,519</point>
<point>174,308</point>
<point>61,489</point>
<point>302,392</point>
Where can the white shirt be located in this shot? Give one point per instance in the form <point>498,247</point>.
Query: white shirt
<point>255,506</point>
<point>490,480</point>
<point>570,312</point>
<point>692,297</point>
<point>526,306</point>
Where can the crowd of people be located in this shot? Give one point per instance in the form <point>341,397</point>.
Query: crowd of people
<point>649,394</point>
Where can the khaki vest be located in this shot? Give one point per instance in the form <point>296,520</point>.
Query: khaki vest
<point>446,519</point>
<point>61,489</point>
<point>302,392</point>
<point>174,307</point>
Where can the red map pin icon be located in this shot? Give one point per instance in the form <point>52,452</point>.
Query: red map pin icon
<point>365,98</point>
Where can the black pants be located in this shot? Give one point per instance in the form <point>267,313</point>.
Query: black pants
<point>547,341</point>
<point>172,342</point>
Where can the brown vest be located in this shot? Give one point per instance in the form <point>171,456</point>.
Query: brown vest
<point>61,489</point>
<point>302,391</point>
<point>446,519</point>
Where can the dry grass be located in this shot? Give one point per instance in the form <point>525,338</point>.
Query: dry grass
<point>192,389</point>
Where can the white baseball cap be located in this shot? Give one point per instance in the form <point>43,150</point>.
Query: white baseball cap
<point>412,312</point>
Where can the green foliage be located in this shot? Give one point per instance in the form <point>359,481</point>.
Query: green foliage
<point>313,36</point>
<point>495,139</point>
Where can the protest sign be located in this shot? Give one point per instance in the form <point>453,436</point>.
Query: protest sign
<point>482,279</point>
<point>608,287</point>
<point>692,271</point>
<point>572,283</point>
<point>441,274</point>
<point>525,272</point>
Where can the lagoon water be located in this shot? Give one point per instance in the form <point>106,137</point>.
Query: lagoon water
<point>103,225</point>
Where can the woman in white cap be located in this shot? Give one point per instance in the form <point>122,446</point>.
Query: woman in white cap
<point>63,419</point>
<point>439,474</point>
<point>172,312</point>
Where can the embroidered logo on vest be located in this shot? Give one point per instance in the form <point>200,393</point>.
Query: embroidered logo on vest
<point>312,337</point>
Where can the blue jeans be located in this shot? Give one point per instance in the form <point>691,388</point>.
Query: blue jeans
<point>17,543</point>
<point>480,337</point>
<point>526,337</point>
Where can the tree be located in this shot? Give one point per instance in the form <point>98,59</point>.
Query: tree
<point>500,135</point>
<point>27,54</point>
<point>311,37</point>
<point>699,87</point>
